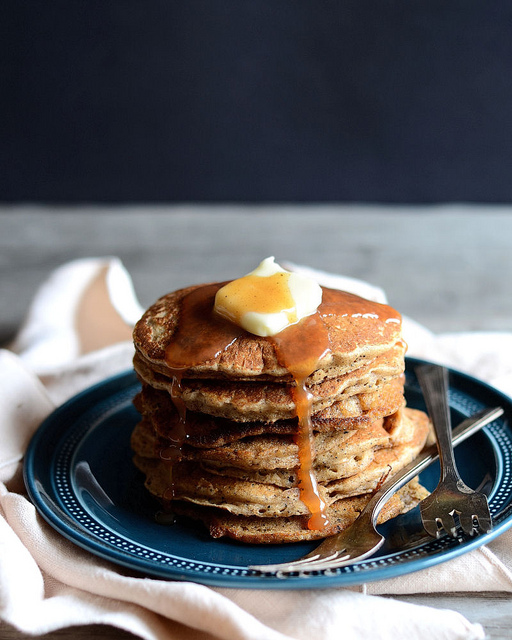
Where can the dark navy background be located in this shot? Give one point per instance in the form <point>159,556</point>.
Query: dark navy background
<point>255,100</point>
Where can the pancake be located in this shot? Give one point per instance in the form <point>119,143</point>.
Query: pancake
<point>255,530</point>
<point>364,408</point>
<point>288,478</point>
<point>358,331</point>
<point>270,451</point>
<point>281,452</point>
<point>206,430</point>
<point>193,483</point>
<point>259,450</point>
<point>254,400</point>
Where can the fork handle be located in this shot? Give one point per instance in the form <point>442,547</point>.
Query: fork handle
<point>433,380</point>
<point>463,431</point>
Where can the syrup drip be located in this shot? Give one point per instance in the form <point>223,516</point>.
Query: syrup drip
<point>300,348</point>
<point>203,335</point>
<point>172,453</point>
<point>169,494</point>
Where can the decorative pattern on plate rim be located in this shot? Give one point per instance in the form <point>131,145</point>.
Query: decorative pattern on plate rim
<point>75,510</point>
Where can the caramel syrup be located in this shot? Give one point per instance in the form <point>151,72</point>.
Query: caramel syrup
<point>202,335</point>
<point>300,348</point>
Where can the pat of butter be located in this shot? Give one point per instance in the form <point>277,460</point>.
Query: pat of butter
<point>268,299</point>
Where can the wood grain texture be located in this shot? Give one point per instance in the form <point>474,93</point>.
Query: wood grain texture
<point>449,268</point>
<point>492,610</point>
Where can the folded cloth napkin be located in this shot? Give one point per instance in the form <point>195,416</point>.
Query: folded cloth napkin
<point>77,332</point>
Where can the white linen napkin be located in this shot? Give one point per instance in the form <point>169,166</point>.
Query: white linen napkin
<point>77,332</point>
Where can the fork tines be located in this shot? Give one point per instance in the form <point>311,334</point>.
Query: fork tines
<point>307,565</point>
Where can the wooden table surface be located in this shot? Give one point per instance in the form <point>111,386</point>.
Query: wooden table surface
<point>449,268</point>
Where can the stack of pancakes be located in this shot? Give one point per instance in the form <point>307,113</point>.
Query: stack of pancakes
<point>218,438</point>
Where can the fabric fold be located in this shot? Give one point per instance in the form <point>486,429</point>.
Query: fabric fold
<point>52,359</point>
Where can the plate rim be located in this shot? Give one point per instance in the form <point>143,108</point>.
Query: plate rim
<point>84,539</point>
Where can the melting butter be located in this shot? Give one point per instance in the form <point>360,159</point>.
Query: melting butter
<point>269,299</point>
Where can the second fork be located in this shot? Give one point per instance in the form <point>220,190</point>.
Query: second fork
<point>452,499</point>
<point>361,539</point>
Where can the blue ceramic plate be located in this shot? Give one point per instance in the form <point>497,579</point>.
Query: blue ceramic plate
<point>80,476</point>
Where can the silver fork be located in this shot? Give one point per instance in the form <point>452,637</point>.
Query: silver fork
<point>361,540</point>
<point>452,497</point>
